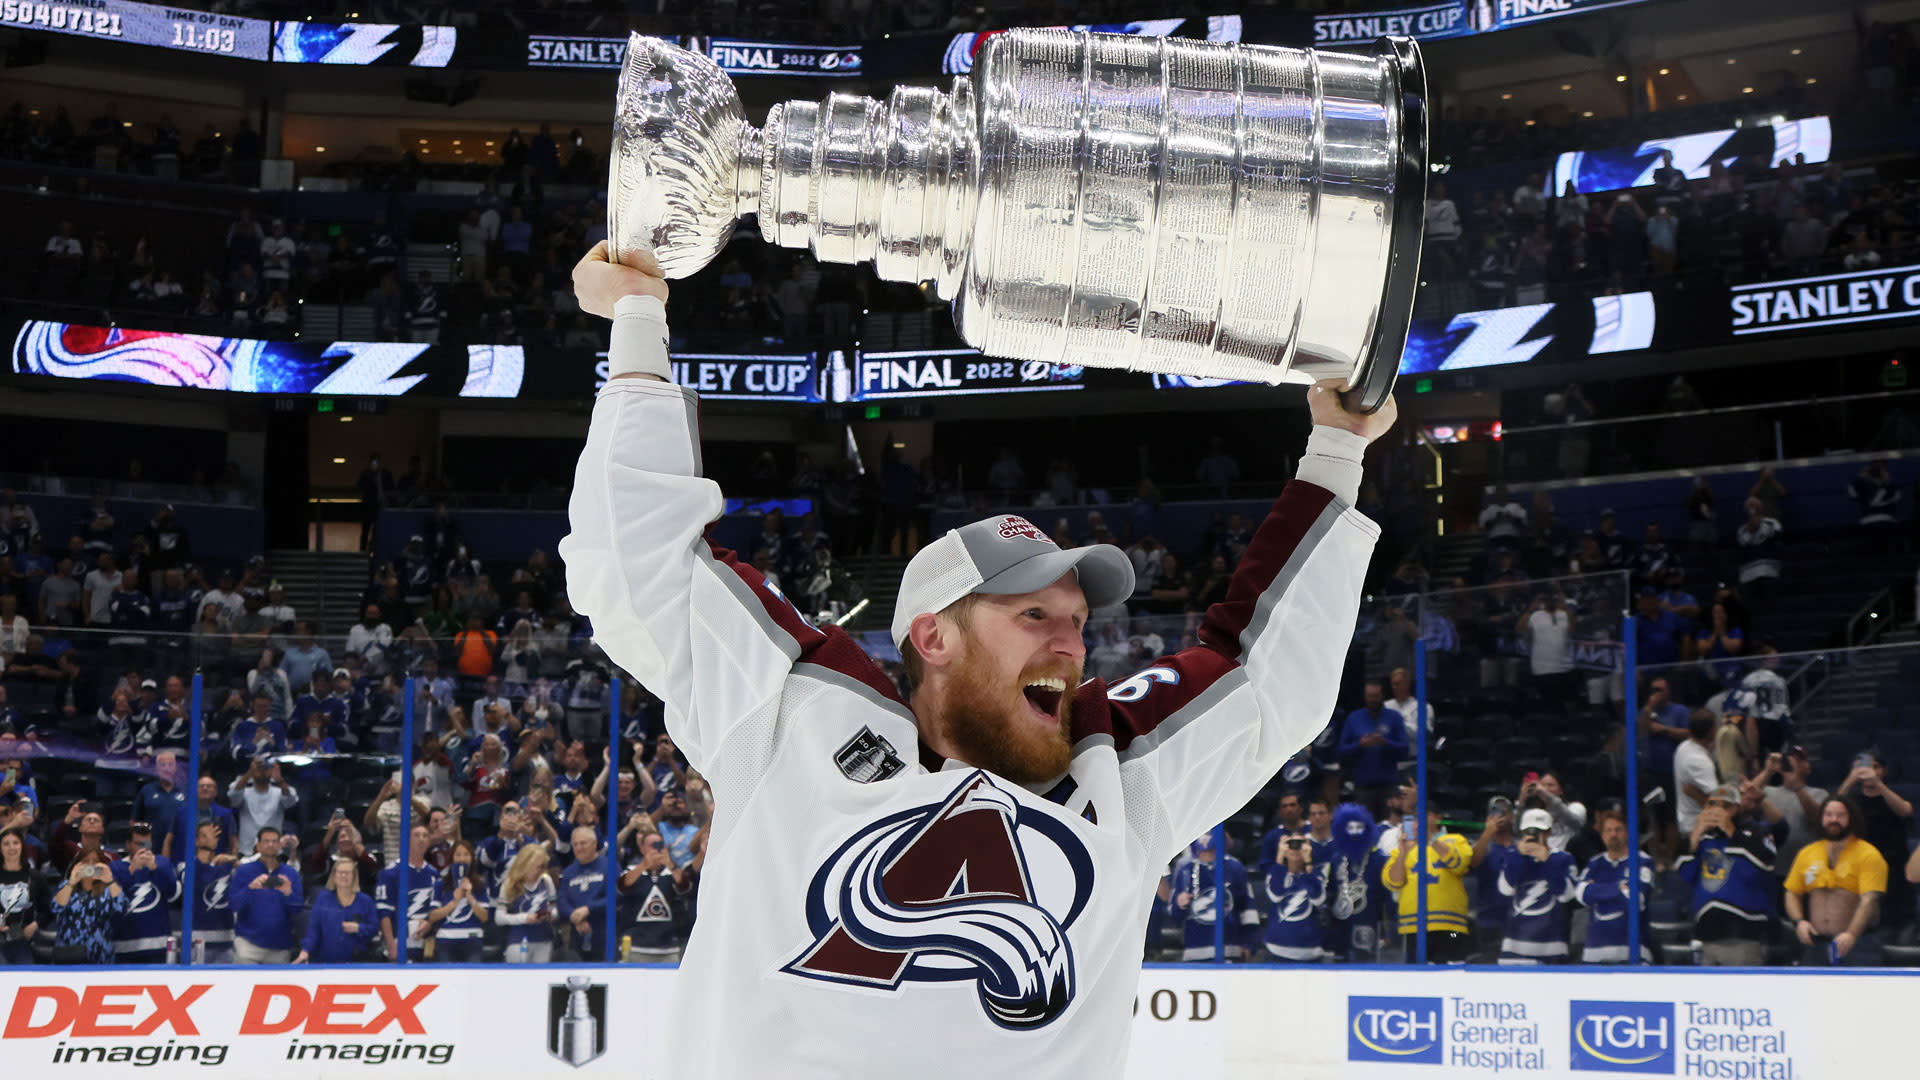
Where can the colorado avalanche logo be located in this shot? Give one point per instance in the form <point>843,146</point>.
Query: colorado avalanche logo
<point>72,351</point>
<point>946,892</point>
<point>1014,525</point>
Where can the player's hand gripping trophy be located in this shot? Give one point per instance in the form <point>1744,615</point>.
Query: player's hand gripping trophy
<point>1186,207</point>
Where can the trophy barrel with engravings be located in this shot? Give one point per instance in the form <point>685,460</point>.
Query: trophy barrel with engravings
<point>1193,208</point>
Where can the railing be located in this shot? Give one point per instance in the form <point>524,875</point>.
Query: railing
<point>1495,702</point>
<point>1865,626</point>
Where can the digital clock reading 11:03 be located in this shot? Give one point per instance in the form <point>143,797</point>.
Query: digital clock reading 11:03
<point>205,38</point>
<point>144,24</point>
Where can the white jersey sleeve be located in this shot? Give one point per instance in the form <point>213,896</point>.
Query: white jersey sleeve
<point>702,632</point>
<point>1201,731</point>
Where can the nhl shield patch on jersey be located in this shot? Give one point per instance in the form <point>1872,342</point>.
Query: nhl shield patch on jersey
<point>868,758</point>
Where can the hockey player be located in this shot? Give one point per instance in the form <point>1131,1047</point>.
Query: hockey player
<point>959,867</point>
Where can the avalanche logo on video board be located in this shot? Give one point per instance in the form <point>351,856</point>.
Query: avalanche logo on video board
<point>1622,1036</point>
<point>1395,1029</point>
<point>364,44</point>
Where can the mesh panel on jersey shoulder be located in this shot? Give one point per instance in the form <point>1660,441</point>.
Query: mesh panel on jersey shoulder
<point>1142,807</point>
<point>747,747</point>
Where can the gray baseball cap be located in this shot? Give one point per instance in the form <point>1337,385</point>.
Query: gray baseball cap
<point>1004,555</point>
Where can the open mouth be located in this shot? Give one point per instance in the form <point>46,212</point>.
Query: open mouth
<point>1044,695</point>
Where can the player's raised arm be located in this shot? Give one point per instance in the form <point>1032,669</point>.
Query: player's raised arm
<point>702,632</point>
<point>1207,727</point>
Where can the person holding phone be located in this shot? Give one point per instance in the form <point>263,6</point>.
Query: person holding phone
<point>656,903</point>
<point>265,896</point>
<point>460,913</point>
<point>84,911</point>
<point>1540,883</point>
<point>152,885</point>
<point>1729,868</point>
<point>1296,892</point>
<point>212,913</point>
<point>1885,818</point>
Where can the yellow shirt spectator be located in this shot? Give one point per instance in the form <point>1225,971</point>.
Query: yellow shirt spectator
<point>1859,869</point>
<point>1449,860</point>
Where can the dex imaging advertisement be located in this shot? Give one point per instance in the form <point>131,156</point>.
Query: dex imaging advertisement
<point>1192,1021</point>
<point>1623,167</point>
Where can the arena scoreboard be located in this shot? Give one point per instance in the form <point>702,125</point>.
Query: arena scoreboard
<point>145,24</point>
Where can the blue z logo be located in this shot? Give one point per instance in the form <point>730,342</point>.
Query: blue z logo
<point>1138,686</point>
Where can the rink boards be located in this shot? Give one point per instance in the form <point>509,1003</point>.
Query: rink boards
<point>1195,1022</point>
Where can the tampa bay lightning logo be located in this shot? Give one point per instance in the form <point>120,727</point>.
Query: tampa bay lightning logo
<point>977,887</point>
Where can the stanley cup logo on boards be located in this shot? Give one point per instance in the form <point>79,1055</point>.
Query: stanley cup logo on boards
<point>577,1020</point>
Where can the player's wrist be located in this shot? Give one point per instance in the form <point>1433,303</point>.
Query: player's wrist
<point>639,341</point>
<point>1333,461</point>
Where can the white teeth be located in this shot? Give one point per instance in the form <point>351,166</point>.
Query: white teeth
<point>1056,685</point>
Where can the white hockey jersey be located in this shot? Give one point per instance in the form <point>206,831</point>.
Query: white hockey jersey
<point>869,910</point>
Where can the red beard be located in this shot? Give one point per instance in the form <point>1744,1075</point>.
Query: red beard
<point>986,723</point>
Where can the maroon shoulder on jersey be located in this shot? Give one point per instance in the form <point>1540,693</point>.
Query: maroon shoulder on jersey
<point>1185,675</point>
<point>832,648</point>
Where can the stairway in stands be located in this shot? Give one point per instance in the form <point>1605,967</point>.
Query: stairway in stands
<point>322,585</point>
<point>879,578</point>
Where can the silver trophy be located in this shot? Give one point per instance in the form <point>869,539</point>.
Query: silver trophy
<point>579,1032</point>
<point>1185,207</point>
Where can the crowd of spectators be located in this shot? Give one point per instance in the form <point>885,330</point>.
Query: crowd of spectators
<point>1749,222</point>
<point>539,209</point>
<point>297,824</point>
<point>1745,857</point>
<point>294,820</point>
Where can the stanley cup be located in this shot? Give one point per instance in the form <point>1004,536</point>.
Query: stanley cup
<point>579,1033</point>
<point>1186,207</point>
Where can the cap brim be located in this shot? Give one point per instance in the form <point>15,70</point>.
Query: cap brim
<point>1104,571</point>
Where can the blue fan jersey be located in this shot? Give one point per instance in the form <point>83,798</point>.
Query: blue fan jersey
<point>140,934</point>
<point>1603,889</point>
<point>1540,890</point>
<point>1293,923</point>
